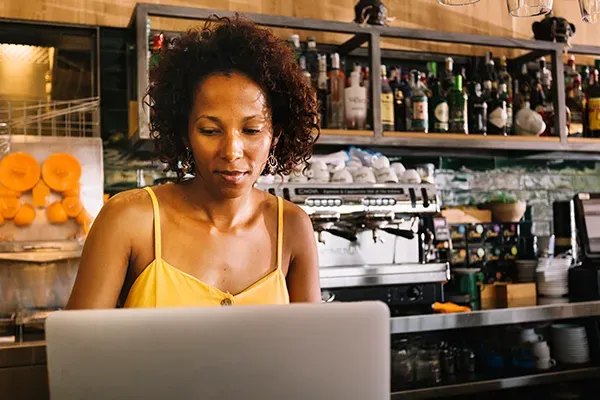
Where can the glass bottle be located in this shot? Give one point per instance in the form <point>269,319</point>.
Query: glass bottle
<point>399,103</point>
<point>503,95</point>
<point>576,103</point>
<point>545,78</point>
<point>438,110</point>
<point>477,110</point>
<point>335,103</point>
<point>418,104</point>
<point>459,101</point>
<point>305,72</point>
<point>366,82</point>
<point>448,77</point>
<point>355,103</point>
<point>406,88</point>
<point>295,44</point>
<point>593,107</point>
<point>432,77</point>
<point>570,73</point>
<point>496,123</point>
<point>504,76</point>
<point>322,85</point>
<point>387,102</point>
<point>312,59</point>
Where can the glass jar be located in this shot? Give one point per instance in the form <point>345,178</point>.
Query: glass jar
<point>428,365</point>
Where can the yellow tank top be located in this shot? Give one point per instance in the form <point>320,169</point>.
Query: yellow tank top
<point>162,285</point>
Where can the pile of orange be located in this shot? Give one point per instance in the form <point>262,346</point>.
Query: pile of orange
<point>20,172</point>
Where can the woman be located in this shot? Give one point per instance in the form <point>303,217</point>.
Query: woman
<point>228,103</point>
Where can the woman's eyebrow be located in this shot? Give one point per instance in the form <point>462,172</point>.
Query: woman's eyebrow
<point>215,119</point>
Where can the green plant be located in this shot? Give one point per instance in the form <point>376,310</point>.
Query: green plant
<point>501,197</point>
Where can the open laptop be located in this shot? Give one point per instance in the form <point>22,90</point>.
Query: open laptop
<point>293,352</point>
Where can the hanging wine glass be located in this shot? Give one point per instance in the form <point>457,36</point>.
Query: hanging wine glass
<point>590,10</point>
<point>528,8</point>
<point>457,2</point>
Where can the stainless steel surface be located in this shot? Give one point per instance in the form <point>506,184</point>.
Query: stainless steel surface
<point>393,274</point>
<point>435,392</point>
<point>504,316</point>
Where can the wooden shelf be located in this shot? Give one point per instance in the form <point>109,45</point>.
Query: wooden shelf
<point>345,132</point>
<point>472,137</point>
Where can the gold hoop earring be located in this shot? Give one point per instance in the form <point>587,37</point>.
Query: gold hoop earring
<point>188,162</point>
<point>272,164</point>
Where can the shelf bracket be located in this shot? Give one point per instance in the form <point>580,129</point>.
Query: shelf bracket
<point>353,43</point>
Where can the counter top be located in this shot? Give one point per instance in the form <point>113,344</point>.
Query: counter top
<point>533,310</point>
<point>22,354</point>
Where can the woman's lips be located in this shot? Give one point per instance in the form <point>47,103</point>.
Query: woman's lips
<point>232,176</point>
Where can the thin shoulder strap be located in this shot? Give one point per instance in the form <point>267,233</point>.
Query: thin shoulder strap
<point>156,210</point>
<point>279,231</point>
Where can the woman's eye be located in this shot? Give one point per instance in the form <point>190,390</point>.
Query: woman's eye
<point>252,131</point>
<point>207,131</point>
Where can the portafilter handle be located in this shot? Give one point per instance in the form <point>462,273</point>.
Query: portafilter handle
<point>406,234</point>
<point>343,234</point>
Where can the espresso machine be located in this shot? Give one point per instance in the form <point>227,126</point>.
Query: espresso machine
<point>584,279</point>
<point>376,241</point>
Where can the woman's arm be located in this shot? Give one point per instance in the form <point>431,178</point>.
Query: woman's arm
<point>303,273</point>
<point>106,254</point>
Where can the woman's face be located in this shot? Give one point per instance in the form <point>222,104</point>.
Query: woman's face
<point>230,133</point>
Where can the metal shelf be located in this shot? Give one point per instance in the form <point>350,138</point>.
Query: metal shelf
<point>139,27</point>
<point>434,392</point>
<point>503,316</point>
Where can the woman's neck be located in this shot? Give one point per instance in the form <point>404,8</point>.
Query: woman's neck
<point>223,213</point>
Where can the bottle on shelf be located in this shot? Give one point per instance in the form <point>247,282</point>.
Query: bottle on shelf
<point>312,59</point>
<point>295,44</point>
<point>448,76</point>
<point>593,107</point>
<point>322,88</point>
<point>477,110</point>
<point>538,94</point>
<point>158,40</point>
<point>576,103</point>
<point>518,100</point>
<point>432,74</point>
<point>459,101</point>
<point>438,110</point>
<point>355,103</point>
<point>504,76</point>
<point>490,70</point>
<point>585,78</point>
<point>387,102</point>
<point>406,88</point>
<point>496,123</point>
<point>399,101</point>
<point>571,73</point>
<point>305,72</point>
<point>546,78</point>
<point>503,95</point>
<point>366,82</point>
<point>418,104</point>
<point>335,96</point>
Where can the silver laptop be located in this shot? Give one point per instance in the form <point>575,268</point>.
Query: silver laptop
<point>301,351</point>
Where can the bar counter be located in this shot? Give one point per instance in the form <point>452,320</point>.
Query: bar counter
<point>23,364</point>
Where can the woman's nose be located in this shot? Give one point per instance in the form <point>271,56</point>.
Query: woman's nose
<point>232,146</point>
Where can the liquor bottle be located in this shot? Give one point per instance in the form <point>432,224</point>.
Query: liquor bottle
<point>438,110</point>
<point>538,94</point>
<point>504,76</point>
<point>496,123</point>
<point>295,44</point>
<point>432,77</point>
<point>448,77</point>
<point>477,110</point>
<point>335,103</point>
<point>406,88</point>
<point>585,79</point>
<point>418,104</point>
<point>518,100</point>
<point>490,70</point>
<point>399,103</point>
<point>546,79</point>
<point>312,59</point>
<point>387,102</point>
<point>427,89</point>
<point>157,43</point>
<point>576,103</point>
<point>322,86</point>
<point>525,83</point>
<point>458,107</point>
<point>593,107</point>
<point>305,72</point>
<point>366,82</point>
<point>570,73</point>
<point>503,95</point>
<point>355,103</point>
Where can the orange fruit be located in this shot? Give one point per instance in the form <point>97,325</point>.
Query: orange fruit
<point>85,220</point>
<point>73,192</point>
<point>72,206</point>
<point>40,194</point>
<point>19,171</point>
<point>61,172</point>
<point>56,213</point>
<point>9,206</point>
<point>25,216</point>
<point>6,192</point>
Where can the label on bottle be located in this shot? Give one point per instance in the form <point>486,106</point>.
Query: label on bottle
<point>509,118</point>
<point>594,113</point>
<point>419,110</point>
<point>355,107</point>
<point>498,117</point>
<point>387,110</point>
<point>441,115</point>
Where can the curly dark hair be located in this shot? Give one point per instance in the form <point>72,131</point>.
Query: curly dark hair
<point>226,45</point>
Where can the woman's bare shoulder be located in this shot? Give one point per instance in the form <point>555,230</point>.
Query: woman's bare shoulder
<point>127,209</point>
